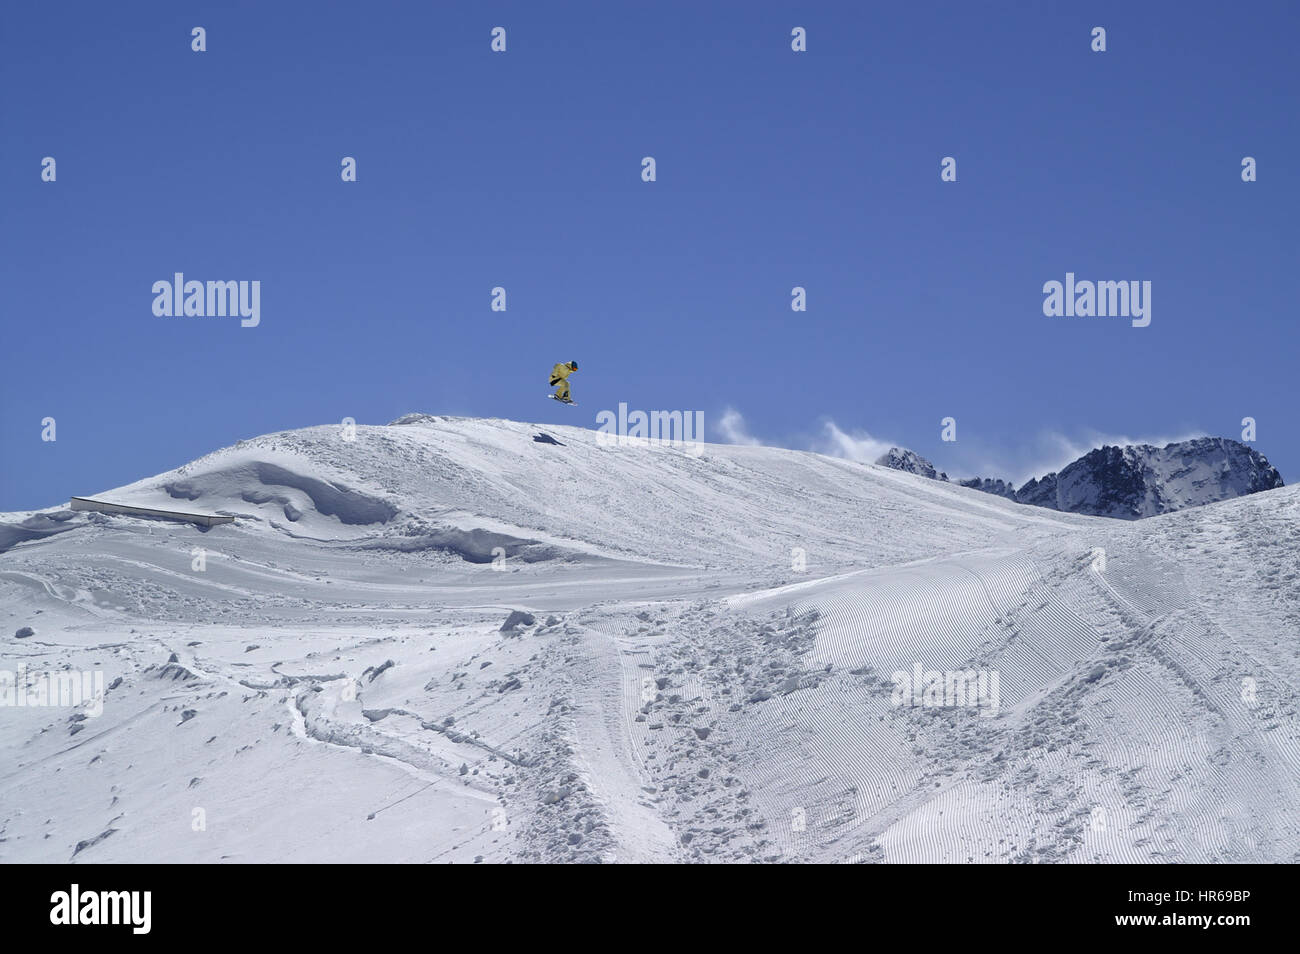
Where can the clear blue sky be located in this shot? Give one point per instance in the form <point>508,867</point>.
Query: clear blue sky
<point>522,169</point>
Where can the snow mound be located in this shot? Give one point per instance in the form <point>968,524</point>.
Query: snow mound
<point>470,486</point>
<point>260,482</point>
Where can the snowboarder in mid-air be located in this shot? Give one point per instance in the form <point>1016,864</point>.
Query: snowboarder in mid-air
<point>560,375</point>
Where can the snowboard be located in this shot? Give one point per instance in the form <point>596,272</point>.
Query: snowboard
<point>554,398</point>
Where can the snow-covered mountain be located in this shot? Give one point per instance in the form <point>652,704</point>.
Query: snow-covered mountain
<point>1142,480</point>
<point>1129,482</point>
<point>451,639</point>
<point>1000,488</point>
<point>910,462</point>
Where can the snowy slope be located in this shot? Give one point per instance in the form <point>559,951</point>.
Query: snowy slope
<point>731,505</point>
<point>706,676</point>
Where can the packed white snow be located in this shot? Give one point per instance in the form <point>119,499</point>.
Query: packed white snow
<point>462,640</point>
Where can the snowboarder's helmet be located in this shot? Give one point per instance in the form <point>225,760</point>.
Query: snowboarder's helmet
<point>573,365</point>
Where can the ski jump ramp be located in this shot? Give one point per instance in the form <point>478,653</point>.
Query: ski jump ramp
<point>104,506</point>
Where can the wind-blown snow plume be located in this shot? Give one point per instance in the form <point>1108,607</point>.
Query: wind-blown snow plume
<point>857,446</point>
<point>731,428</point>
